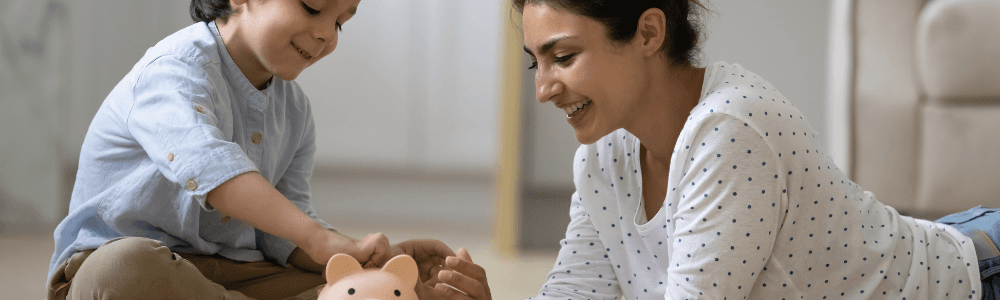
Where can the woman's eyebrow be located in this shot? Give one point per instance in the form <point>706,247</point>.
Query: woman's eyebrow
<point>548,45</point>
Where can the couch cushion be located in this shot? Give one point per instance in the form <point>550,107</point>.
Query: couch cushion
<point>958,50</point>
<point>960,157</point>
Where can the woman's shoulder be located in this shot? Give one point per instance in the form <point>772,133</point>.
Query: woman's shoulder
<point>743,95</point>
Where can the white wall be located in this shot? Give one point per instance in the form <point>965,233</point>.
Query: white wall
<point>412,84</point>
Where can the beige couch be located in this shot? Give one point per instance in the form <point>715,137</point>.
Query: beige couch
<point>915,101</point>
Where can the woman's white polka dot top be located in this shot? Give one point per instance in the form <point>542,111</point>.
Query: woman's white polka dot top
<point>755,209</point>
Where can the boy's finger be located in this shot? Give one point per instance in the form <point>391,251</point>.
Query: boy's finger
<point>461,282</point>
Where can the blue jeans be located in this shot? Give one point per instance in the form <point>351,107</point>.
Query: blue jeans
<point>987,220</point>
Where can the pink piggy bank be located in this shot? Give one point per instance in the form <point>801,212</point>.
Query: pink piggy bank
<point>346,279</point>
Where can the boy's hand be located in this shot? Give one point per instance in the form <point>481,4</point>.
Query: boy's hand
<point>373,248</point>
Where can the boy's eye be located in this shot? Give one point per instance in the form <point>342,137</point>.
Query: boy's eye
<point>340,27</point>
<point>309,10</point>
<point>534,65</point>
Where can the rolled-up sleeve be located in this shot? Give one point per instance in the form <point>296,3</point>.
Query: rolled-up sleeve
<point>172,117</point>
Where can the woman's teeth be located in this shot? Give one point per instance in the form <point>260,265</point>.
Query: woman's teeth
<point>572,109</point>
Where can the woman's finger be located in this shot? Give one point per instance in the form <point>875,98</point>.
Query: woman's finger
<point>465,266</point>
<point>449,293</point>
<point>464,254</point>
<point>467,285</point>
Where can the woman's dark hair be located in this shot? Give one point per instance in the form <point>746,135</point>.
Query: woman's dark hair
<point>621,18</point>
<point>209,10</point>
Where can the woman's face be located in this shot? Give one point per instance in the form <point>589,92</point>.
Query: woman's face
<point>581,71</point>
<point>286,36</point>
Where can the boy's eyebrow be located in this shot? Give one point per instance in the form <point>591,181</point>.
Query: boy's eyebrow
<point>547,46</point>
<point>352,10</point>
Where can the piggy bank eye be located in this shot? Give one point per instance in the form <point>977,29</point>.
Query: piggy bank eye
<point>350,291</point>
<point>397,293</point>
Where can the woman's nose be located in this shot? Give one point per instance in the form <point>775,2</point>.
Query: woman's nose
<point>547,87</point>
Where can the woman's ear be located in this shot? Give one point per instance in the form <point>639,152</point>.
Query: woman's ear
<point>652,31</point>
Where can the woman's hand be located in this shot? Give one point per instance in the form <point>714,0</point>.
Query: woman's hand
<point>464,276</point>
<point>429,254</point>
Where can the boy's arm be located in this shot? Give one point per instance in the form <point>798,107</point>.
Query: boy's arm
<point>250,198</point>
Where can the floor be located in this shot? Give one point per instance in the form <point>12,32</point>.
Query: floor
<point>402,207</point>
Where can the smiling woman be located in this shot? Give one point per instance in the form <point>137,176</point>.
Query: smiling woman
<point>728,192</point>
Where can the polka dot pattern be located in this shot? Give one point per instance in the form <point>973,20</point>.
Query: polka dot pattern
<point>755,209</point>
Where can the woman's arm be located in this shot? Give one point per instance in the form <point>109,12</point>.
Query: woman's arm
<point>729,207</point>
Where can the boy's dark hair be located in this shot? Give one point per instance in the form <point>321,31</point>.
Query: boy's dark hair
<point>620,19</point>
<point>209,10</point>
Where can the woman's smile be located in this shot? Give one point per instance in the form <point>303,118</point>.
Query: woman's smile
<point>572,109</point>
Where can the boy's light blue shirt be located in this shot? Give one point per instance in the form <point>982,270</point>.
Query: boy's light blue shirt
<point>183,121</point>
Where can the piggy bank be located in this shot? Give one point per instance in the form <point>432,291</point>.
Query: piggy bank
<point>346,279</point>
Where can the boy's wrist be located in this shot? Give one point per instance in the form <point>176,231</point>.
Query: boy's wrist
<point>324,243</point>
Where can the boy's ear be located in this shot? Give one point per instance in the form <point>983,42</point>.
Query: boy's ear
<point>340,266</point>
<point>403,266</point>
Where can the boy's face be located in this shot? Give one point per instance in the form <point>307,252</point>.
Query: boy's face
<point>286,36</point>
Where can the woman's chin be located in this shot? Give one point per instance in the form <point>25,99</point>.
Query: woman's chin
<point>585,136</point>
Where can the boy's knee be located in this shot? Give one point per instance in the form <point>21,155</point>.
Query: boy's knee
<point>121,267</point>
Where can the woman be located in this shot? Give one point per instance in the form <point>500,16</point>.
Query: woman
<point>707,183</point>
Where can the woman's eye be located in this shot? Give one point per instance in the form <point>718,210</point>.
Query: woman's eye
<point>534,65</point>
<point>563,59</point>
<point>340,27</point>
<point>309,10</point>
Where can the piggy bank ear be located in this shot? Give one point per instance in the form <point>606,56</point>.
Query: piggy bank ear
<point>403,266</point>
<point>339,266</point>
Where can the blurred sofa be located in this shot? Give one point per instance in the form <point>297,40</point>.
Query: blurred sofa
<point>914,97</point>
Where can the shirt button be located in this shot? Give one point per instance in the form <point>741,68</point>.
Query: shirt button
<point>200,109</point>
<point>191,185</point>
<point>256,138</point>
<point>170,157</point>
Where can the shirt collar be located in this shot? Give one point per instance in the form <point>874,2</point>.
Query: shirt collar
<point>235,77</point>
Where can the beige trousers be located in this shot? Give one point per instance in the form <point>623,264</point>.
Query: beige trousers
<point>142,268</point>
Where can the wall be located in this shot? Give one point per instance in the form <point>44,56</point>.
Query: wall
<point>412,84</point>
